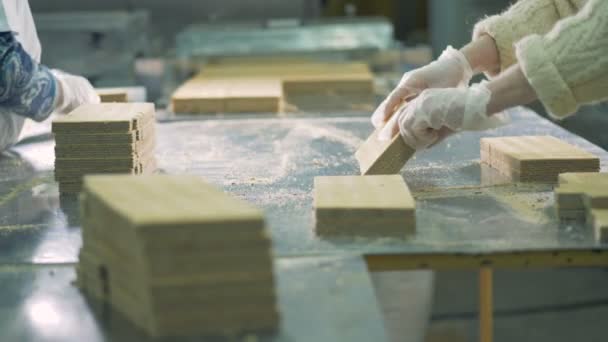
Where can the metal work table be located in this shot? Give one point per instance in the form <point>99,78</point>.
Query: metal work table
<point>463,212</point>
<point>466,215</point>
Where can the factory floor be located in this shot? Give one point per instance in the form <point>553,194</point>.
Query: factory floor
<point>552,305</point>
<point>540,305</point>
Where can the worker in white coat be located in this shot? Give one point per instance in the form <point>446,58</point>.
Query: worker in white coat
<point>28,89</point>
<point>555,51</point>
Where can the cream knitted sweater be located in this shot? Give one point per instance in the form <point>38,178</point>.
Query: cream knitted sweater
<point>561,46</point>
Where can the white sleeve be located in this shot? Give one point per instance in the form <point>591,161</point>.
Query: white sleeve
<point>4,25</point>
<point>10,129</point>
<point>568,66</point>
<point>18,18</point>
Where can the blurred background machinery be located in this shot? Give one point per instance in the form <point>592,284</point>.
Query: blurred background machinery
<point>170,17</point>
<point>102,46</point>
<point>268,37</point>
<point>127,42</point>
<point>437,21</point>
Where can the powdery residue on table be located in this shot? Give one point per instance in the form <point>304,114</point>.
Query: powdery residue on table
<point>279,152</point>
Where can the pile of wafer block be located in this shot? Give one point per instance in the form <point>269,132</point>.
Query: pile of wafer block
<point>583,197</point>
<point>234,87</point>
<point>176,256</point>
<point>103,138</point>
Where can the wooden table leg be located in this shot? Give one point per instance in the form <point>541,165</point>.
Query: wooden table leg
<point>485,305</point>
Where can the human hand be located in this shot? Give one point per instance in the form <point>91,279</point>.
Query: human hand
<point>451,69</point>
<point>73,91</point>
<point>437,113</point>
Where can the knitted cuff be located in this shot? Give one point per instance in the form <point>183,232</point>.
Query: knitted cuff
<point>499,28</point>
<point>545,78</point>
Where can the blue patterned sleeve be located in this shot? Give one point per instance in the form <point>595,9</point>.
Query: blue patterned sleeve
<point>27,88</point>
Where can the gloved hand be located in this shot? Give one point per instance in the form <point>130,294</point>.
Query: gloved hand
<point>72,91</point>
<point>451,69</point>
<point>437,113</point>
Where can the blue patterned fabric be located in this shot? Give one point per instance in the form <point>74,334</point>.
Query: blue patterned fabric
<point>26,87</point>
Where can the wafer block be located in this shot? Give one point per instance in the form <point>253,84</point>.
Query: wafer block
<point>377,157</point>
<point>112,95</point>
<point>254,95</point>
<point>200,95</point>
<point>583,178</point>
<point>122,94</point>
<point>176,256</point>
<point>105,118</point>
<point>103,138</point>
<point>75,137</point>
<point>535,158</point>
<point>374,206</point>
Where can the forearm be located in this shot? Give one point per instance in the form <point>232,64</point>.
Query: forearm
<point>482,54</point>
<point>26,88</point>
<point>510,89</point>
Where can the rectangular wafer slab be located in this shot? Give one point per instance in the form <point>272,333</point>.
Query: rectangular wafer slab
<point>148,131</point>
<point>583,178</point>
<point>535,158</point>
<point>100,151</point>
<point>363,206</point>
<point>254,96</point>
<point>122,94</point>
<point>377,157</point>
<point>112,94</point>
<point>105,118</point>
<point>199,95</point>
<point>217,95</point>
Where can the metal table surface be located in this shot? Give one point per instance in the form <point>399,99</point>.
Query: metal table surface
<point>462,207</point>
<point>464,212</point>
<point>320,299</point>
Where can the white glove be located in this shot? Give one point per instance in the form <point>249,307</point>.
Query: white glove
<point>436,113</point>
<point>72,91</point>
<point>452,69</point>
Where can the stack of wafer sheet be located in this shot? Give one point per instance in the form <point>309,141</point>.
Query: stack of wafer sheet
<point>103,138</point>
<point>176,256</point>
